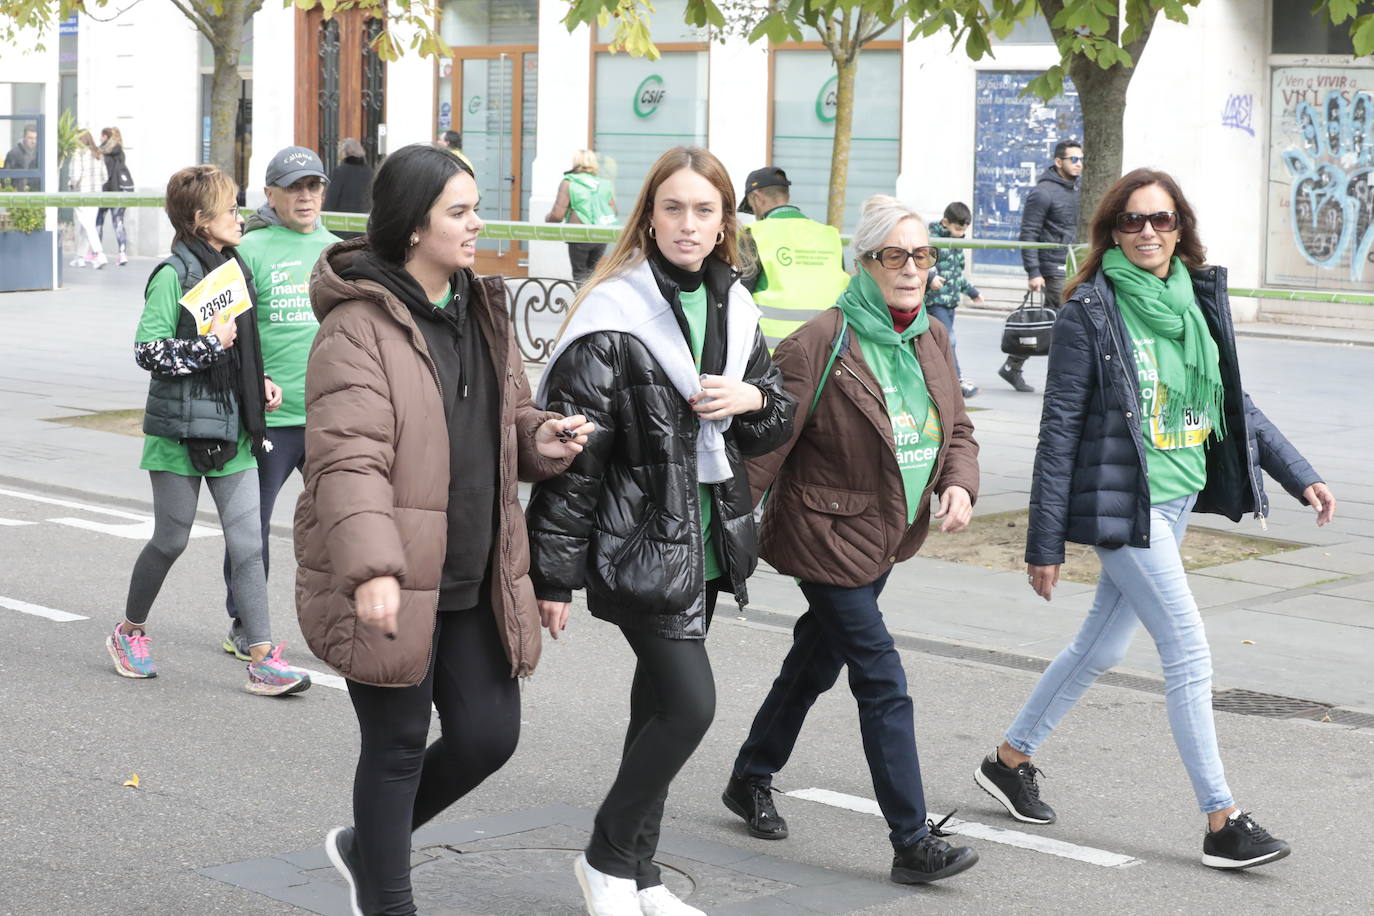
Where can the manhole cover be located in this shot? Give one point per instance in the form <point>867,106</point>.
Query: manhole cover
<point>1273,706</point>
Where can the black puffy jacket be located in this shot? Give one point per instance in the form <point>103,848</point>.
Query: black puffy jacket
<point>1090,484</point>
<point>625,521</point>
<point>1050,215</point>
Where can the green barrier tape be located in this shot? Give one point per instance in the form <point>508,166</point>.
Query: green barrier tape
<point>1302,295</point>
<point>40,199</point>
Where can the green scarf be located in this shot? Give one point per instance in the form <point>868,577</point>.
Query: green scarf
<point>1191,372</point>
<point>864,306</point>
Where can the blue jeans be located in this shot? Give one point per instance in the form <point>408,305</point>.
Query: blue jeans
<point>844,627</point>
<point>1141,585</point>
<point>945,315</point>
<point>274,467</point>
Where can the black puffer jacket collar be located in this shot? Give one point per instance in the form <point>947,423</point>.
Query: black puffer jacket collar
<point>1090,485</point>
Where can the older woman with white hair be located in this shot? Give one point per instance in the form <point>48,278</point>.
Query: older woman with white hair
<point>851,497</point>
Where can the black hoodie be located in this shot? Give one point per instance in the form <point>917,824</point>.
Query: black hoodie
<point>471,397</point>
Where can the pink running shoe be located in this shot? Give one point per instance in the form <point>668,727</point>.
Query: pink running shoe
<point>130,654</point>
<point>273,677</point>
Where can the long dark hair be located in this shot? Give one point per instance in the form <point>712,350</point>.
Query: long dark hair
<point>406,186</point>
<point>1190,248</point>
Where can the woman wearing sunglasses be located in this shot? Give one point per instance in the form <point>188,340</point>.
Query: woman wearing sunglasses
<point>1145,420</point>
<point>850,498</point>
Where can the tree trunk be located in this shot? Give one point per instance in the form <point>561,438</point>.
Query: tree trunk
<point>225,85</point>
<point>845,70</point>
<point>1102,95</point>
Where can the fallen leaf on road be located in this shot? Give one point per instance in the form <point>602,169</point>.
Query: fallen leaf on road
<point>132,781</point>
<point>1247,642</point>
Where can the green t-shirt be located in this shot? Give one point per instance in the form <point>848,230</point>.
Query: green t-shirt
<point>918,443</point>
<point>1176,462</point>
<point>159,321</point>
<point>281,260</point>
<point>694,307</point>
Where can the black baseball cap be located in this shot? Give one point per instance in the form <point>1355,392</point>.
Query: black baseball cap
<point>766,177</point>
<point>292,164</point>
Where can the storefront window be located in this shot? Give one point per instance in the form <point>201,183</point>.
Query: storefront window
<point>644,107</point>
<point>479,23</point>
<point>803,127</point>
<point>1298,30</point>
<point>667,25</point>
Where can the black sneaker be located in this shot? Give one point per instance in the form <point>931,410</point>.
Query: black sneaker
<point>1015,788</point>
<point>930,858</point>
<point>343,853</point>
<point>1242,843</point>
<point>1015,379</point>
<point>753,801</point>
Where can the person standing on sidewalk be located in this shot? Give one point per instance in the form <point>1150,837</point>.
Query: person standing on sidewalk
<point>850,498</point>
<point>948,285</point>
<point>1050,215</point>
<point>654,519</point>
<point>281,242</point>
<point>117,180</point>
<point>86,175</point>
<point>793,265</point>
<point>1145,420</point>
<point>584,197</point>
<point>413,562</point>
<point>204,421</point>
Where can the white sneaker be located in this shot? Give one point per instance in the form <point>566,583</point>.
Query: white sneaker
<point>659,901</point>
<point>100,260</point>
<point>603,894</point>
<point>78,262</point>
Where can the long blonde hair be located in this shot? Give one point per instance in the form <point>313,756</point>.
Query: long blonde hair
<point>635,241</point>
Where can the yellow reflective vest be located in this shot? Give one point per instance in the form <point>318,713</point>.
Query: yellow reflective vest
<point>803,263</point>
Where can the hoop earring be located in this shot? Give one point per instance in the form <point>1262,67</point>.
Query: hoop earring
<point>720,236</point>
<point>414,239</point>
<point>651,231</point>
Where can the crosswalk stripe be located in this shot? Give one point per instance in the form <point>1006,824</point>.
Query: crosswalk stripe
<point>324,679</point>
<point>37,610</point>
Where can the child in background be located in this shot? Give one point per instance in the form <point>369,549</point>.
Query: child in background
<point>944,290</point>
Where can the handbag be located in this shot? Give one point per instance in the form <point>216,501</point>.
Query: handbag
<point>1029,330</point>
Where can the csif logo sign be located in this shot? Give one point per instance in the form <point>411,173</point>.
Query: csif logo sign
<point>649,95</point>
<point>827,100</point>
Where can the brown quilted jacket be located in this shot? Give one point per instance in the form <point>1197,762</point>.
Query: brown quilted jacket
<point>377,476</point>
<point>837,513</point>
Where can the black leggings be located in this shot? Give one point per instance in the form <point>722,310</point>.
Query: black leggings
<point>672,703</point>
<point>399,784</point>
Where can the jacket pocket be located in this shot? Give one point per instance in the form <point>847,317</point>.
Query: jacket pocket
<point>635,535</point>
<point>835,501</point>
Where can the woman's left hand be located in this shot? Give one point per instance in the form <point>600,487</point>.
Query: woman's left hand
<point>956,508</point>
<point>1319,497</point>
<point>273,393</point>
<point>563,437</point>
<point>721,397</point>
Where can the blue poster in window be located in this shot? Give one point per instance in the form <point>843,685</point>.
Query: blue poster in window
<point>1014,138</point>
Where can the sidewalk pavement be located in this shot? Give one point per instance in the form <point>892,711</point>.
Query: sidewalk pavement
<point>1297,624</point>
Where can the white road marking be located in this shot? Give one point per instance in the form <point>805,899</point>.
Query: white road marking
<point>324,679</point>
<point>13,522</point>
<point>140,530</point>
<point>1031,841</point>
<point>37,610</point>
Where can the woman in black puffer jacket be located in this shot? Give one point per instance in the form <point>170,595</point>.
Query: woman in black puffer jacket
<point>1145,420</point>
<point>662,352</point>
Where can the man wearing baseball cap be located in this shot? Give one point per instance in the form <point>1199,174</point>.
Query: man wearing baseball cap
<point>794,266</point>
<point>281,243</point>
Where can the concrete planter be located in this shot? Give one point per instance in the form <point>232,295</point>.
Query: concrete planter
<point>26,261</point>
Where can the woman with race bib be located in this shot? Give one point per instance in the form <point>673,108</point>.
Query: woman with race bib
<point>1145,421</point>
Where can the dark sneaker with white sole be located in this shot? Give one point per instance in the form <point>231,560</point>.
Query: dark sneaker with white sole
<point>1015,788</point>
<point>1242,843</point>
<point>342,848</point>
<point>930,858</point>
<point>753,801</point>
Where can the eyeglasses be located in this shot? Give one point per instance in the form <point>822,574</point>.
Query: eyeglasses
<point>1131,223</point>
<point>894,258</point>
<point>1074,159</point>
<point>306,186</point>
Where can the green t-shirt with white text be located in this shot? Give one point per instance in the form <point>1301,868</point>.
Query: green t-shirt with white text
<point>916,428</point>
<point>281,261</point>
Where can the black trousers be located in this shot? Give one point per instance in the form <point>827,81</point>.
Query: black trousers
<point>1054,294</point>
<point>583,256</point>
<point>672,703</point>
<point>400,784</point>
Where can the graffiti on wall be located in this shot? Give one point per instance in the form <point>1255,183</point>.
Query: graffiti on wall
<point>1321,227</point>
<point>1239,112</point>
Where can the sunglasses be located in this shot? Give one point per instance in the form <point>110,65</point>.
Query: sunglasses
<point>1131,223</point>
<point>894,258</point>
<point>1074,159</point>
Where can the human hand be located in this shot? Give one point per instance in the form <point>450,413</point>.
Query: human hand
<point>721,397</point>
<point>225,328</point>
<point>376,602</point>
<point>1035,284</point>
<point>554,615</point>
<point>1319,497</point>
<point>560,437</point>
<point>1043,579</point>
<point>977,300</point>
<point>936,282</point>
<point>273,393</point>
<point>956,508</point>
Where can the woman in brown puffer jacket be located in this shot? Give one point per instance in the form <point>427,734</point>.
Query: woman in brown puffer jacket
<point>413,578</point>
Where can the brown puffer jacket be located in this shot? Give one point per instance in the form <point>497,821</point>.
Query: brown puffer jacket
<point>837,511</point>
<point>377,475</point>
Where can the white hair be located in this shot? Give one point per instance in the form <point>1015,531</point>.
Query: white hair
<point>879,217</point>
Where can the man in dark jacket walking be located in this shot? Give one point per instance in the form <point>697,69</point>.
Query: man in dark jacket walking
<point>1050,215</point>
